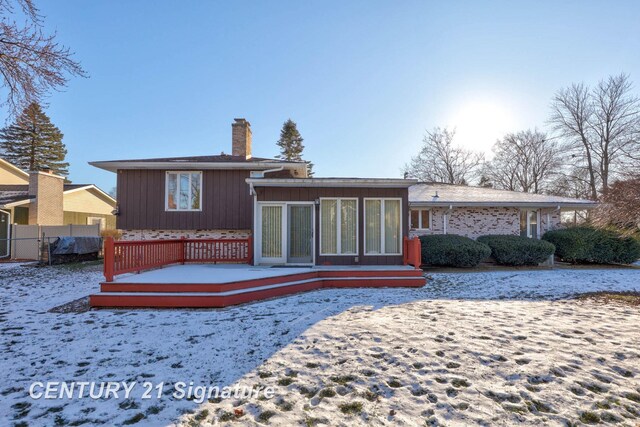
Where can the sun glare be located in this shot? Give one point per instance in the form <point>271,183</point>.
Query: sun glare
<point>479,124</point>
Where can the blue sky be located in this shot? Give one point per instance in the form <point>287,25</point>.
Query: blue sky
<point>363,79</point>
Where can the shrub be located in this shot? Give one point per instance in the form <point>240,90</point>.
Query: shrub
<point>585,245</point>
<point>517,250</point>
<point>453,251</point>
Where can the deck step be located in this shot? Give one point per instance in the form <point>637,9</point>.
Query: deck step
<point>221,295</point>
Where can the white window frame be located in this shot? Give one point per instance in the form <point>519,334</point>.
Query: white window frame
<point>382,236</point>
<point>166,191</point>
<point>338,224</point>
<point>528,211</point>
<point>420,227</point>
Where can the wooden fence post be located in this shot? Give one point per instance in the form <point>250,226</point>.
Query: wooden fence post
<point>417,253</point>
<point>109,257</point>
<point>184,249</point>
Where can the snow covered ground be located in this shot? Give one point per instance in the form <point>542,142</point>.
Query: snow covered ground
<point>495,348</point>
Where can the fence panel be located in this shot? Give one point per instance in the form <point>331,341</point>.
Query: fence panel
<point>25,241</point>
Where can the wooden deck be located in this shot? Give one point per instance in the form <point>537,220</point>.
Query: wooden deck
<point>206,285</point>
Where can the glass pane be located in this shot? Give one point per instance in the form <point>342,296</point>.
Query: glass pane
<point>328,226</point>
<point>348,224</point>
<point>195,191</point>
<point>533,224</point>
<point>184,191</point>
<point>415,215</point>
<point>392,231</point>
<point>300,233</point>
<point>172,191</point>
<point>272,231</point>
<point>425,219</point>
<point>523,223</point>
<point>372,222</point>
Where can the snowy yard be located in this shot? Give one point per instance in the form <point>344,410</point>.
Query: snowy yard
<point>484,348</point>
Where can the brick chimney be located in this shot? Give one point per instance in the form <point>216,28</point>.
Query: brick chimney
<point>241,138</point>
<point>47,206</point>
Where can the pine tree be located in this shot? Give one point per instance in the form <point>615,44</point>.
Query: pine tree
<point>290,144</point>
<point>34,143</point>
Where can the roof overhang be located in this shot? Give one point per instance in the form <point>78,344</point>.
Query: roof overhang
<point>73,190</point>
<point>332,182</point>
<point>113,166</point>
<point>557,205</point>
<point>14,168</point>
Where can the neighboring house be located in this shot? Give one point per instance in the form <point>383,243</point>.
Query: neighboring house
<point>299,220</point>
<point>44,199</point>
<point>477,211</point>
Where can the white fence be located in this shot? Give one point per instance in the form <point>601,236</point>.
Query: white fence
<point>26,240</point>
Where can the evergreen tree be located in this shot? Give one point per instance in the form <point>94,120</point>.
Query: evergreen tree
<point>290,144</point>
<point>32,142</point>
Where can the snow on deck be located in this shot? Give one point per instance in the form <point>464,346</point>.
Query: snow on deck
<point>510,332</point>
<point>227,273</point>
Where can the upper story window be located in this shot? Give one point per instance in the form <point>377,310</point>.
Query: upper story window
<point>183,191</point>
<point>420,219</point>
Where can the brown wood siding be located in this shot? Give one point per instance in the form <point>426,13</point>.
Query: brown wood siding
<point>226,203</point>
<point>296,194</point>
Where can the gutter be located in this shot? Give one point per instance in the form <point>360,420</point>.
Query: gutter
<point>561,205</point>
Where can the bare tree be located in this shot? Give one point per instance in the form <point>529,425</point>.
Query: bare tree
<point>599,128</point>
<point>524,161</point>
<point>31,63</point>
<point>440,160</point>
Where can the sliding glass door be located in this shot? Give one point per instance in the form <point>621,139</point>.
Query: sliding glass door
<point>285,233</point>
<point>300,241</point>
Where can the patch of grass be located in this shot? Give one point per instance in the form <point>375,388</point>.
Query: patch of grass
<point>635,397</point>
<point>343,379</point>
<point>371,396</point>
<point>226,416</point>
<point>327,392</point>
<point>135,419</point>
<point>514,408</point>
<point>200,416</point>
<point>594,388</point>
<point>452,392</point>
<point>452,365</point>
<point>460,382</point>
<point>153,410</point>
<point>440,353</point>
<point>351,408</point>
<point>538,406</point>
<point>394,383</point>
<point>608,417</point>
<point>292,374</point>
<point>285,405</point>
<point>418,365</point>
<point>589,417</point>
<point>441,380</point>
<point>308,392</point>
<point>265,374</point>
<point>285,381</point>
<point>265,416</point>
<point>312,365</point>
<point>626,298</point>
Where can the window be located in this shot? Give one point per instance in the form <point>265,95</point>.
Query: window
<point>383,226</point>
<point>529,223</point>
<point>184,191</point>
<point>95,220</point>
<point>338,226</point>
<point>420,219</point>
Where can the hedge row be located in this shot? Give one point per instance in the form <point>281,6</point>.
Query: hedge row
<point>517,250</point>
<point>583,245</point>
<point>451,250</point>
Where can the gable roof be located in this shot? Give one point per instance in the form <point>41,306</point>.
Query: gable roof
<point>15,195</point>
<point>423,194</point>
<point>222,161</point>
<point>14,170</point>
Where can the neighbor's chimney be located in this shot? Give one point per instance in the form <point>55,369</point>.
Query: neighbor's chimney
<point>46,206</point>
<point>241,138</point>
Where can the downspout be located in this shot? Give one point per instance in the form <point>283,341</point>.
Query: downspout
<point>8,234</point>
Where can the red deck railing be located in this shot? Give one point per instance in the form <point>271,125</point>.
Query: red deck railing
<point>412,252</point>
<point>136,255</point>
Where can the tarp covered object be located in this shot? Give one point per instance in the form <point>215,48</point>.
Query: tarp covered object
<point>76,245</point>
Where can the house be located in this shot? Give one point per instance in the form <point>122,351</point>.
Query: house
<point>294,219</point>
<point>469,211</point>
<point>40,198</point>
<point>298,220</point>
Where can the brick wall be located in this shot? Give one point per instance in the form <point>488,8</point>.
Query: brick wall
<point>47,207</point>
<point>476,222</point>
<point>189,234</point>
